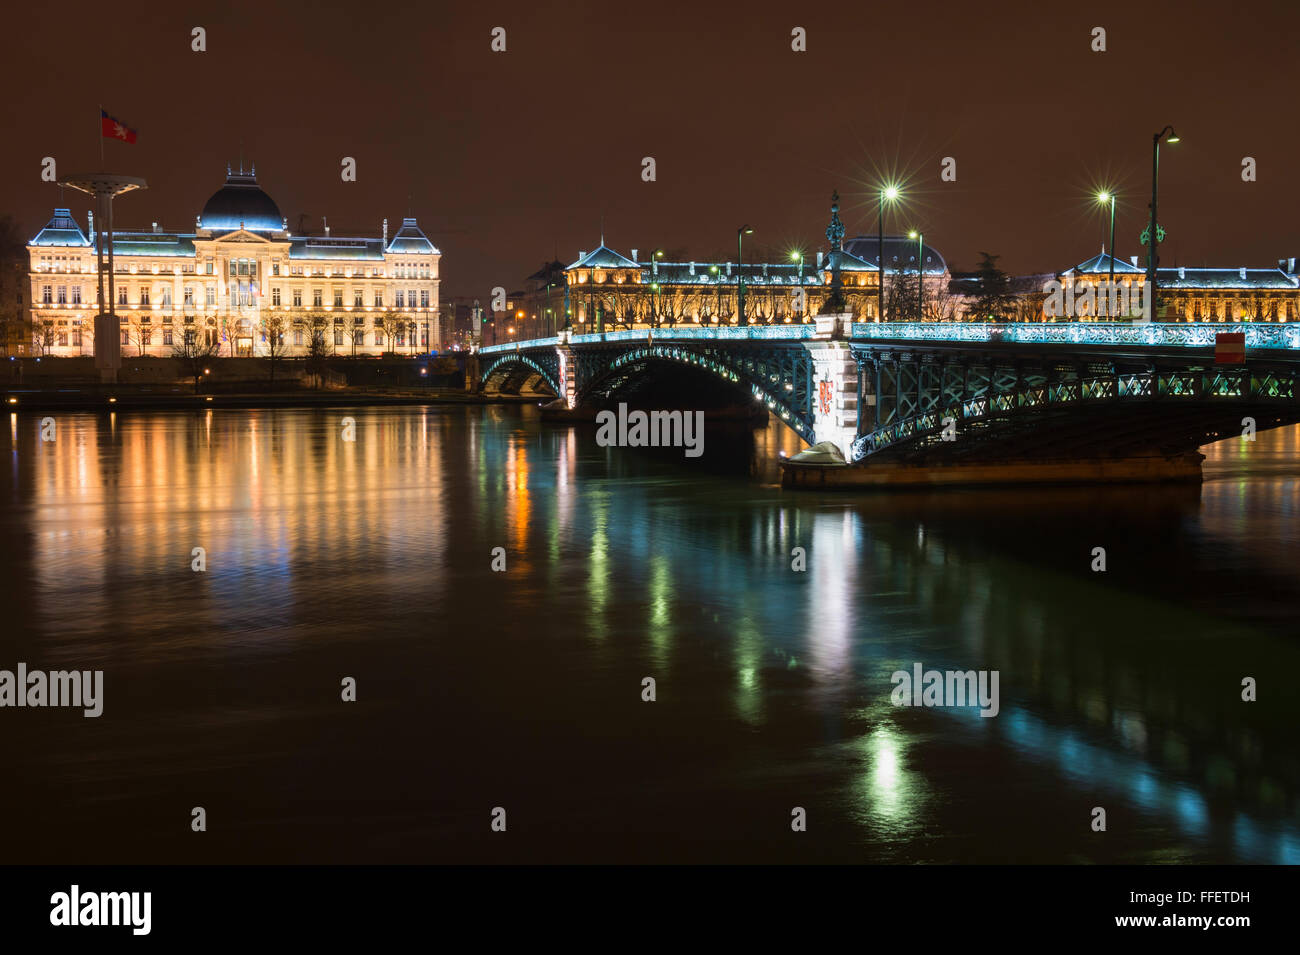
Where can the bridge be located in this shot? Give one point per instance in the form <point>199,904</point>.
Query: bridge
<point>948,393</point>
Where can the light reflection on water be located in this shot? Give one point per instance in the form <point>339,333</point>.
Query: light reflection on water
<point>373,559</point>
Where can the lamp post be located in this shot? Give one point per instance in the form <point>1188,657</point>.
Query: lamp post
<point>743,231</point>
<point>798,257</point>
<point>1155,193</point>
<point>717,319</point>
<point>920,275</point>
<point>1109,199</point>
<point>108,333</point>
<point>655,256</point>
<point>890,193</point>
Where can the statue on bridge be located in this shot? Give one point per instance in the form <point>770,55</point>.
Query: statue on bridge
<point>835,303</point>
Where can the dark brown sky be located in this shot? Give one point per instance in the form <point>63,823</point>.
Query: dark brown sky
<point>510,157</point>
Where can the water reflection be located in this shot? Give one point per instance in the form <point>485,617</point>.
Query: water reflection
<point>327,556</point>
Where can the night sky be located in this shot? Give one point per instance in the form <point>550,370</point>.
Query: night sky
<point>510,158</point>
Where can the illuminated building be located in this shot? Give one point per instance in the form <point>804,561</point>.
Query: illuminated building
<point>237,280</point>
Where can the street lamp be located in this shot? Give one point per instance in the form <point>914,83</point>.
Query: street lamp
<point>797,256</point>
<point>655,256</point>
<point>920,275</point>
<point>1154,237</point>
<point>743,231</point>
<point>1109,199</point>
<point>890,193</point>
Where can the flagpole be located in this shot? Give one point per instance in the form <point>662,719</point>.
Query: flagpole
<point>100,123</point>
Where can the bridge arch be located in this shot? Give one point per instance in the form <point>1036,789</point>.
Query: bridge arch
<point>780,378</point>
<point>502,366</point>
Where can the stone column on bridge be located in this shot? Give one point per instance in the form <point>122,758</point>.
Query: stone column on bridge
<point>568,376</point>
<point>835,384</point>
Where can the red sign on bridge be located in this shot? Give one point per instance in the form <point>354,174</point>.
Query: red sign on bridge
<point>1229,348</point>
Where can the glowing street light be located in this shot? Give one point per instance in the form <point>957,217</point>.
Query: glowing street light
<point>890,193</point>
<point>1154,237</point>
<point>743,231</point>
<point>1109,199</point>
<point>920,275</point>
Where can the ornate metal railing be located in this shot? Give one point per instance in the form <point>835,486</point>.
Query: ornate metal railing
<point>1184,334</point>
<point>1187,335</point>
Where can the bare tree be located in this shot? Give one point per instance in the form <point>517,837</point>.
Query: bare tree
<point>273,330</point>
<point>42,336</point>
<point>389,322</point>
<point>195,350</point>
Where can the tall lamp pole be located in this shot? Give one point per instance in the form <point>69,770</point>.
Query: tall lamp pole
<point>890,193</point>
<point>798,257</point>
<point>920,275</point>
<point>1153,236</point>
<point>1109,198</point>
<point>743,231</point>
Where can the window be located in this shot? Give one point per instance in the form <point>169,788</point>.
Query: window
<point>379,338</point>
<point>338,298</point>
<point>316,298</point>
<point>297,336</point>
<point>357,298</point>
<point>424,298</point>
<point>210,295</point>
<point>63,338</point>
<point>379,299</point>
<point>126,337</point>
<point>297,298</point>
<point>47,294</point>
<point>167,332</point>
<point>189,296</point>
<point>234,266</point>
<point>275,268</point>
<point>167,296</point>
<point>144,295</point>
<point>76,295</point>
<point>401,300</point>
<point>208,270</point>
<point>401,338</point>
<point>410,297</point>
<point>275,295</point>
<point>76,338</point>
<point>338,336</point>
<point>121,295</point>
<point>63,295</point>
<point>147,336</point>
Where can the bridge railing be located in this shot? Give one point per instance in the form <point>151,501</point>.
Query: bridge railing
<point>1175,334</point>
<point>1185,334</point>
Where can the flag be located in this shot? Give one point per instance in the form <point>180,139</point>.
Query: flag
<point>114,129</point>
<point>1229,348</point>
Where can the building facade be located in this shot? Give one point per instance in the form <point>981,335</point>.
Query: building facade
<point>1199,294</point>
<point>240,282</point>
<point>606,289</point>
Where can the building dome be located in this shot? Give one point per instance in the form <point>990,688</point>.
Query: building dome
<point>241,202</point>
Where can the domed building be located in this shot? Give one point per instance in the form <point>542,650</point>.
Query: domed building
<point>239,281</point>
<point>241,204</point>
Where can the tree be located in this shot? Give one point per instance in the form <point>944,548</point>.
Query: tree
<point>273,330</point>
<point>389,322</point>
<point>42,336</point>
<point>319,346</point>
<point>194,351</point>
<point>993,299</point>
<point>139,335</point>
<point>900,296</point>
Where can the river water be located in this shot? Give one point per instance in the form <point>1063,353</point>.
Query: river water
<point>522,689</point>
